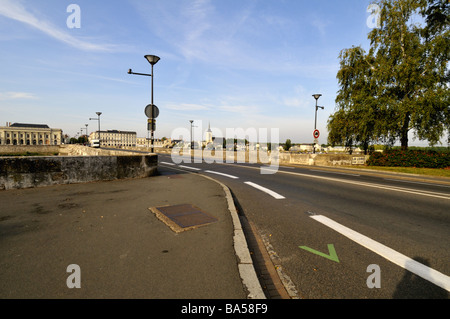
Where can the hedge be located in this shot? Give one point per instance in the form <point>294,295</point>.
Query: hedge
<point>410,158</point>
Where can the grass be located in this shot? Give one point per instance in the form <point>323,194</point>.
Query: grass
<point>413,170</point>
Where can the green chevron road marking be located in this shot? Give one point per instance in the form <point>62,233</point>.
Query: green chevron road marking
<point>331,252</point>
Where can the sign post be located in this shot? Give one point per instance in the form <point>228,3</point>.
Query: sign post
<point>316,135</point>
<point>152,113</point>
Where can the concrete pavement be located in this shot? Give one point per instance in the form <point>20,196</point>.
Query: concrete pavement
<point>122,248</point>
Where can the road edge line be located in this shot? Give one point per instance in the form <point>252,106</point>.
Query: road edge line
<point>245,263</point>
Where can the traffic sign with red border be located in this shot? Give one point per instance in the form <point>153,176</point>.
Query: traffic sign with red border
<point>316,134</point>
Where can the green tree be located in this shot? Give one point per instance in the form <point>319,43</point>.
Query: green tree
<point>287,145</point>
<point>357,120</point>
<point>401,84</point>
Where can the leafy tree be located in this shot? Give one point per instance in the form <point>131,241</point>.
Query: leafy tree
<point>287,145</point>
<point>401,84</point>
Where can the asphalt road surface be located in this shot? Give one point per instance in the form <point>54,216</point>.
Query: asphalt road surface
<point>342,233</point>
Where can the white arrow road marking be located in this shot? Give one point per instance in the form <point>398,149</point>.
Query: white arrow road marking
<point>401,260</point>
<point>265,190</point>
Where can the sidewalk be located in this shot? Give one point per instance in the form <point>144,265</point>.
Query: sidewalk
<point>122,248</point>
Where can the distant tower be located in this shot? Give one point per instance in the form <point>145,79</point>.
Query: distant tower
<point>209,135</point>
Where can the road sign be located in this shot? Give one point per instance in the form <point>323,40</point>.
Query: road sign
<point>316,134</point>
<point>151,125</point>
<point>148,110</point>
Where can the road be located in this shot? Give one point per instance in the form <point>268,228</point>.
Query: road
<point>341,233</point>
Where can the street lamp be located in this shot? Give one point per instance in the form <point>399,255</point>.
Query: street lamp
<point>152,59</point>
<point>316,96</point>
<point>192,142</point>
<point>98,119</point>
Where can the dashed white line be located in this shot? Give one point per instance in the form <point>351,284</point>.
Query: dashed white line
<point>265,190</point>
<point>397,258</point>
<point>222,174</point>
<point>188,167</point>
<point>171,164</point>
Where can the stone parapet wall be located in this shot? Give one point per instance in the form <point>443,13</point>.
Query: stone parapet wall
<point>80,150</point>
<point>283,157</point>
<point>36,171</point>
<point>22,149</point>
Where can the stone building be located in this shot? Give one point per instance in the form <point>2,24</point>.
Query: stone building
<point>29,134</point>
<point>114,138</point>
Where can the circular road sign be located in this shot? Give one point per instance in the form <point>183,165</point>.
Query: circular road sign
<point>316,134</point>
<point>148,111</point>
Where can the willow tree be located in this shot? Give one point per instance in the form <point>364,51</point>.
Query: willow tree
<point>400,84</point>
<point>356,121</point>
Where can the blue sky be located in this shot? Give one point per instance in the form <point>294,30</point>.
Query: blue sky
<point>236,64</point>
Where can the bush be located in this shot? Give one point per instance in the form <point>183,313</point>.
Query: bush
<point>410,158</point>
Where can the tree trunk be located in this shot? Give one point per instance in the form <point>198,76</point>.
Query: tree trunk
<point>404,132</point>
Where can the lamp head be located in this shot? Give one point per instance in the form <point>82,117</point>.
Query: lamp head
<point>317,96</point>
<point>152,59</point>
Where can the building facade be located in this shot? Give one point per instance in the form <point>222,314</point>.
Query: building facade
<point>114,138</point>
<point>29,134</point>
<point>146,142</point>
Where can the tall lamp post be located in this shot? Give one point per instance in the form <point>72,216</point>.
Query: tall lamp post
<point>98,119</point>
<point>316,96</point>
<point>192,142</point>
<point>152,59</point>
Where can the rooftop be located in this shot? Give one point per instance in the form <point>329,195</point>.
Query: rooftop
<point>29,125</point>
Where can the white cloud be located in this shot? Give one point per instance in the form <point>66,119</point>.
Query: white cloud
<point>16,96</point>
<point>299,99</point>
<point>320,24</point>
<point>16,11</point>
<point>186,107</point>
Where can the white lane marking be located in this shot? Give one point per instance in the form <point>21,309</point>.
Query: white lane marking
<point>171,164</point>
<point>407,263</point>
<point>316,170</point>
<point>393,188</point>
<point>265,190</point>
<point>413,182</point>
<point>223,174</point>
<point>188,167</point>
